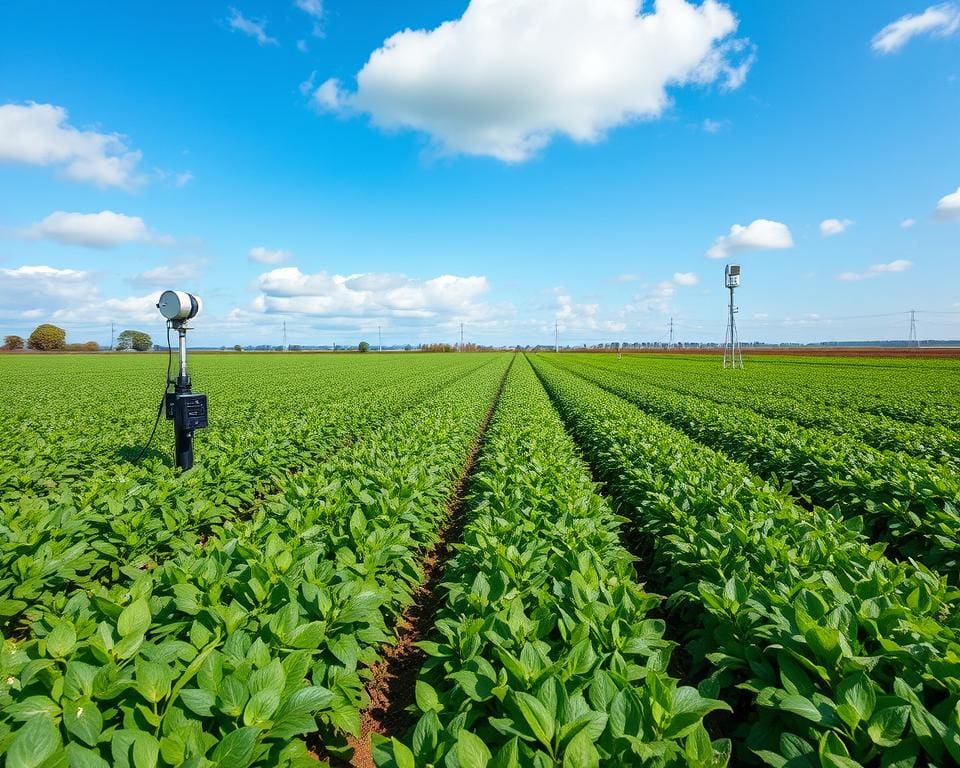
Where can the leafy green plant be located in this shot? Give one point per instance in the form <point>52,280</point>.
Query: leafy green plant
<point>908,502</point>
<point>87,532</point>
<point>544,652</point>
<point>831,653</point>
<point>232,650</point>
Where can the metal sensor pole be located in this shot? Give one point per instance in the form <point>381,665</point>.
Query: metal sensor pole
<point>732,353</point>
<point>184,407</point>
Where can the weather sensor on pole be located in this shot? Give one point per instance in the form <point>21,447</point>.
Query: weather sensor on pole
<point>732,354</point>
<point>187,410</point>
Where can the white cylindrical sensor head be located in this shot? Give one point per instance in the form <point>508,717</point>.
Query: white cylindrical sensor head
<point>179,305</point>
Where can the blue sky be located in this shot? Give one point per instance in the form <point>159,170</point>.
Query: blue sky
<point>530,162</point>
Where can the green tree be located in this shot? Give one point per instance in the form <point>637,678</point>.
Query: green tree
<point>47,337</point>
<point>13,342</point>
<point>237,348</point>
<point>363,347</point>
<point>135,340</point>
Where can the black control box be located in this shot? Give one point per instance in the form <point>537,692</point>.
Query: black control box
<point>187,410</point>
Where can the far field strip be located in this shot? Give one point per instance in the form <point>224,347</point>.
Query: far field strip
<point>81,537</point>
<point>934,444</point>
<point>819,642</point>
<point>908,390</point>
<point>544,651</point>
<point>908,503</point>
<point>238,649</point>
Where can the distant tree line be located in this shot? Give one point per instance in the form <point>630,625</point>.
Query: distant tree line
<point>52,338</point>
<point>135,340</point>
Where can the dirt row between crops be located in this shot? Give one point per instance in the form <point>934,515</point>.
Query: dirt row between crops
<point>391,688</point>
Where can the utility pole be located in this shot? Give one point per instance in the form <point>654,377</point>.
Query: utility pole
<point>556,336</point>
<point>113,328</point>
<point>913,341</point>
<point>461,337</point>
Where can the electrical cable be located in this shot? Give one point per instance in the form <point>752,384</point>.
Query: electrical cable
<point>163,399</point>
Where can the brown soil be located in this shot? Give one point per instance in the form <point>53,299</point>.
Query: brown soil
<point>391,687</point>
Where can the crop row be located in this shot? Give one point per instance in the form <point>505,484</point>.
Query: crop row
<point>831,654</point>
<point>936,443</point>
<point>124,523</point>
<point>229,653</point>
<point>87,446</point>
<point>544,651</point>
<point>910,503</point>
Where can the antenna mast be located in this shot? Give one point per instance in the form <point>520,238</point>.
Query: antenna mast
<point>556,336</point>
<point>379,338</point>
<point>284,335</point>
<point>671,333</point>
<point>732,353</point>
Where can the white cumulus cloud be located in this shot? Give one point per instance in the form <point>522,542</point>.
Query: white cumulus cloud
<point>288,290</point>
<point>948,206</point>
<point>314,9</point>
<point>105,229</point>
<point>43,293</point>
<point>39,134</point>
<point>255,28</point>
<point>31,286</point>
<point>263,255</point>
<point>686,278</point>
<point>509,75</point>
<point>938,21</point>
<point>166,276</point>
<point>132,309</point>
<point>714,126</point>
<point>658,297</point>
<point>829,227</point>
<point>875,270</point>
<point>761,234</point>
<point>907,223</point>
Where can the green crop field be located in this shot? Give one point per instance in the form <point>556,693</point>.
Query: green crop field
<point>483,559</point>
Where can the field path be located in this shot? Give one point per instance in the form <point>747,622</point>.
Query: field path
<point>391,689</point>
